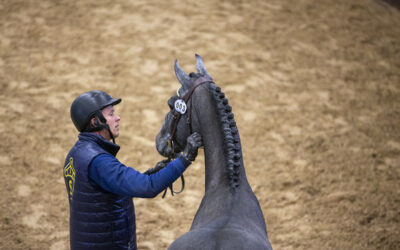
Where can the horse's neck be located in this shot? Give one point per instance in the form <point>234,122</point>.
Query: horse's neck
<point>216,172</point>
<point>216,175</point>
<point>224,201</point>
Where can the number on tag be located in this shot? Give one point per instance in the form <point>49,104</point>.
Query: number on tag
<point>180,106</point>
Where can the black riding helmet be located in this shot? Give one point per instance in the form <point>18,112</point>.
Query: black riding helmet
<point>88,105</point>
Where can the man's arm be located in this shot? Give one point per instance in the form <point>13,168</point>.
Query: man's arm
<point>113,176</point>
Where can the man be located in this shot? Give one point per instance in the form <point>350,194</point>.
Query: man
<point>100,188</point>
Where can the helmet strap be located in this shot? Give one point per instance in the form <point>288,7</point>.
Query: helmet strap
<point>111,134</point>
<point>100,123</point>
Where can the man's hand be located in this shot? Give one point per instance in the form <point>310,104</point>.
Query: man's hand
<point>160,165</point>
<point>193,142</point>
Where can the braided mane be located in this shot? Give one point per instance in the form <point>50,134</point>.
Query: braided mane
<point>231,137</point>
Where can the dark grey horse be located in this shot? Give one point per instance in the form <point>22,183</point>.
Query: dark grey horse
<point>229,216</point>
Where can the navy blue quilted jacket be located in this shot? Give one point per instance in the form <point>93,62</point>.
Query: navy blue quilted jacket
<point>100,219</point>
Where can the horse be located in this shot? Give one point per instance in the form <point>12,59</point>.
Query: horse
<point>229,216</point>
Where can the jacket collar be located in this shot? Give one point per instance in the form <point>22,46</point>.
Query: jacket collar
<point>99,140</point>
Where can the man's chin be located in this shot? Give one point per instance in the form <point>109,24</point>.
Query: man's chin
<point>116,134</point>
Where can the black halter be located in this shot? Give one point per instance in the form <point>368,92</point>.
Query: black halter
<point>176,117</point>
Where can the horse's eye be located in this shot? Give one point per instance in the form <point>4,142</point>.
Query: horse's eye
<point>171,101</point>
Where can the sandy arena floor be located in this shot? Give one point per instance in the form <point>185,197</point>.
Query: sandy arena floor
<point>314,85</point>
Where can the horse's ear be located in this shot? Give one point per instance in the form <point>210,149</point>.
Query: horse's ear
<point>200,66</point>
<point>182,77</point>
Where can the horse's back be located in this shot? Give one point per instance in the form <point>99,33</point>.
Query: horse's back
<point>221,239</point>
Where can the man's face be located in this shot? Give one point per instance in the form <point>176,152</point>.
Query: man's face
<point>112,120</point>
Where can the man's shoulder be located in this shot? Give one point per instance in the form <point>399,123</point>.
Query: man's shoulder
<point>85,151</point>
<point>88,147</point>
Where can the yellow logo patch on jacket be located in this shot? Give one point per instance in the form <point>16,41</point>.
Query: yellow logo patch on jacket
<point>69,176</point>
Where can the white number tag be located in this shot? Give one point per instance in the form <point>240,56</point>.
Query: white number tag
<point>180,106</point>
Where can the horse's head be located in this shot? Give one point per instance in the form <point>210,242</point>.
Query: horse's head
<point>179,122</point>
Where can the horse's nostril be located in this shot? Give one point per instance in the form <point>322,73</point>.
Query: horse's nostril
<point>168,151</point>
<point>162,145</point>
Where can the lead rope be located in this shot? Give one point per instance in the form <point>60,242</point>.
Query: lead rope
<point>171,187</point>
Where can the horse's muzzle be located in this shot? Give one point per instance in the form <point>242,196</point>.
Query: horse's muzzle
<point>164,145</point>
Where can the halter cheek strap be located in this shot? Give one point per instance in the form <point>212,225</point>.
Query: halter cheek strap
<point>185,98</point>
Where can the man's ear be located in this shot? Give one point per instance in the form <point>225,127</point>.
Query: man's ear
<point>92,122</point>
